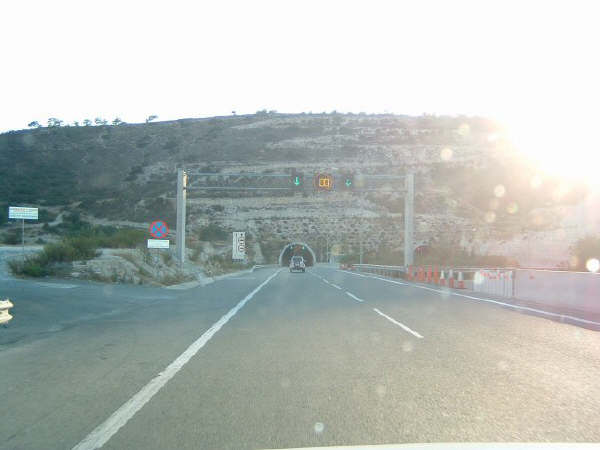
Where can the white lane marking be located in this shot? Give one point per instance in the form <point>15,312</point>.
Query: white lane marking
<point>119,418</point>
<point>325,281</point>
<point>401,325</point>
<point>335,286</point>
<point>355,297</point>
<point>487,300</point>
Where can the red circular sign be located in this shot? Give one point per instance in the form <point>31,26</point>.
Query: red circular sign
<point>159,229</point>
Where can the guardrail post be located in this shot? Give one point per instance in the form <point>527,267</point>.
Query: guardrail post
<point>442,278</point>
<point>5,316</point>
<point>451,279</point>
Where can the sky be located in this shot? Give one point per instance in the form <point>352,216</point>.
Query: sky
<point>533,65</point>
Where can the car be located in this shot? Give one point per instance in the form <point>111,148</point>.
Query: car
<point>297,264</point>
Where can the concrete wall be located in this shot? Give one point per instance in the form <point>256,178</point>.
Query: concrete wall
<point>572,290</point>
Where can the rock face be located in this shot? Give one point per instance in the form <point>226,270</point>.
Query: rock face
<point>135,266</point>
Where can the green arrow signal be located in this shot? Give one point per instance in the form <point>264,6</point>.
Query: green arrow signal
<point>297,181</point>
<point>348,182</point>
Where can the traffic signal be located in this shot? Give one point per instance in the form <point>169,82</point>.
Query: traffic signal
<point>297,179</point>
<point>348,181</point>
<point>323,182</point>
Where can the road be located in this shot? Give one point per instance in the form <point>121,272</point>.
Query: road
<point>271,359</point>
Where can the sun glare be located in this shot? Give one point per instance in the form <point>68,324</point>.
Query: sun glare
<point>559,147</point>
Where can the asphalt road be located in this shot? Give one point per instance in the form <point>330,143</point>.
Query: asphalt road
<point>274,360</point>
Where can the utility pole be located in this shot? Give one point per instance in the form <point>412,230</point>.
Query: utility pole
<point>23,240</point>
<point>181,200</point>
<point>360,258</point>
<point>409,213</point>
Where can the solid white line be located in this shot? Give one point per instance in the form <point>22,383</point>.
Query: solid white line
<point>401,325</point>
<point>106,430</point>
<point>325,281</point>
<point>355,297</point>
<point>487,300</point>
<point>335,286</point>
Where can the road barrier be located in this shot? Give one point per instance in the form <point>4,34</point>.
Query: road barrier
<point>568,291</point>
<point>5,316</point>
<point>578,291</point>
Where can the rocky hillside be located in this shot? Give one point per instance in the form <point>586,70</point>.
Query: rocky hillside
<point>472,188</point>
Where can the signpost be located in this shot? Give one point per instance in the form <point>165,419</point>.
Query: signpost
<point>158,230</point>
<point>24,213</point>
<point>239,246</point>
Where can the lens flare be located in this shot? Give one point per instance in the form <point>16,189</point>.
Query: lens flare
<point>592,265</point>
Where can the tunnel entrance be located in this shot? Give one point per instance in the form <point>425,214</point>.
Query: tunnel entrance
<point>299,249</point>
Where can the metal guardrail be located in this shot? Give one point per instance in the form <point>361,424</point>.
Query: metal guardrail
<point>563,290</point>
<point>390,271</point>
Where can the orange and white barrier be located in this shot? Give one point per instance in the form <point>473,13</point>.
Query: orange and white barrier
<point>461,281</point>
<point>495,282</point>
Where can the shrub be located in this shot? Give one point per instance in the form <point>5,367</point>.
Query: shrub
<point>13,237</point>
<point>213,232</point>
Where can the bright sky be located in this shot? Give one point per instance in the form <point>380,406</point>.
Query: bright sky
<point>532,64</point>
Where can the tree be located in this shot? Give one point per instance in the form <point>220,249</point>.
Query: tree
<point>117,122</point>
<point>233,113</point>
<point>87,122</point>
<point>75,124</point>
<point>34,124</point>
<point>100,121</point>
<point>151,118</point>
<point>54,122</point>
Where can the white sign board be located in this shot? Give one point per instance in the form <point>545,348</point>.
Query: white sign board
<point>21,212</point>
<point>158,243</point>
<point>239,245</point>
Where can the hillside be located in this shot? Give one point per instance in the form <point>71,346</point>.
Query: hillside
<point>126,174</point>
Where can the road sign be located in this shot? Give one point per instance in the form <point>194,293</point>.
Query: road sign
<point>158,243</point>
<point>159,229</point>
<point>21,212</point>
<point>239,245</point>
<point>348,181</point>
<point>297,179</point>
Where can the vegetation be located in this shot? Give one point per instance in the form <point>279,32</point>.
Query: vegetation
<point>271,247</point>
<point>13,237</point>
<point>80,241</point>
<point>213,232</point>
<point>66,251</point>
<point>221,264</point>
